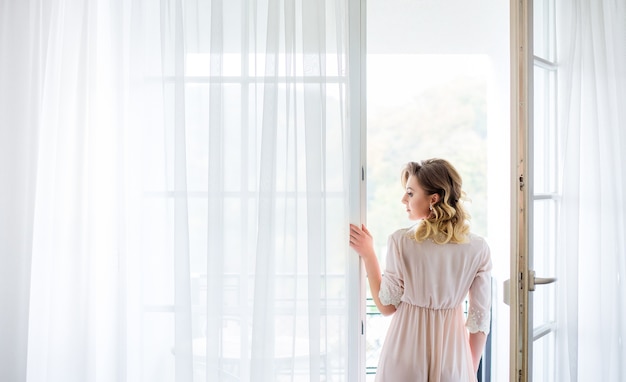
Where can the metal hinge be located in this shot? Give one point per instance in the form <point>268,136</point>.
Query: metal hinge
<point>521,182</point>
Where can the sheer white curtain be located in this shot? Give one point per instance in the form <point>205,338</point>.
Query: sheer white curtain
<point>188,190</point>
<point>245,217</point>
<point>77,323</point>
<point>592,288</point>
<point>60,244</point>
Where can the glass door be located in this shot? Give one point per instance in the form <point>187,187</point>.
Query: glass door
<point>535,194</point>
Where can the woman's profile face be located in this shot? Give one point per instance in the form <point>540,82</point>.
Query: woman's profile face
<point>415,199</point>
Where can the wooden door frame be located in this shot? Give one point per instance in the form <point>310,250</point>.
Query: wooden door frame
<point>521,122</point>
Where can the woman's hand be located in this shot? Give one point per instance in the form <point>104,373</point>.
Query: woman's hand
<point>361,241</point>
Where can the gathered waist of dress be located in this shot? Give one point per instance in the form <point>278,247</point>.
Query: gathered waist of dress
<point>433,308</point>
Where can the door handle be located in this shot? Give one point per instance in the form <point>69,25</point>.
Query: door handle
<point>533,281</point>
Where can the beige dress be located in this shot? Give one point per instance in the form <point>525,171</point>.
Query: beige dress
<point>427,340</point>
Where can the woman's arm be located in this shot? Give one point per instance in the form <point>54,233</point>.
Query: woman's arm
<point>362,242</point>
<point>477,345</point>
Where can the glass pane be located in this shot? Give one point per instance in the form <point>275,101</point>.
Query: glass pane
<point>544,260</point>
<point>544,305</point>
<point>544,231</point>
<point>543,29</point>
<point>544,132</point>
<point>544,359</point>
<point>539,132</point>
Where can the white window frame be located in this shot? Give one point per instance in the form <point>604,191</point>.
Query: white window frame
<point>358,183</point>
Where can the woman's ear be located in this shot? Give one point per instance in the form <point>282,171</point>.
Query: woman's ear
<point>434,198</point>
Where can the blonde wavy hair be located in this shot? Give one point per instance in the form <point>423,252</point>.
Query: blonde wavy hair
<point>448,221</point>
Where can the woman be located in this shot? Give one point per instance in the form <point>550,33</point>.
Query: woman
<point>430,269</point>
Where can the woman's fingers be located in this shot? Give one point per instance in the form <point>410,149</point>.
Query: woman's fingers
<point>361,240</point>
<point>354,230</point>
<point>359,230</point>
<point>366,230</point>
<point>355,236</point>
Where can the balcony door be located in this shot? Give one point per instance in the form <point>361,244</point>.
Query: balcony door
<point>535,195</point>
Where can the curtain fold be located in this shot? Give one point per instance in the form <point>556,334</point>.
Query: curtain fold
<point>19,115</point>
<point>76,281</point>
<point>215,264</point>
<point>263,329</point>
<point>187,190</point>
<point>591,251</point>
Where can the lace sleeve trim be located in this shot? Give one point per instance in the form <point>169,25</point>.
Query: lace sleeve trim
<point>390,294</point>
<point>478,321</point>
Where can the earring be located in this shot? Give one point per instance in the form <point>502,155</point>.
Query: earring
<point>431,206</point>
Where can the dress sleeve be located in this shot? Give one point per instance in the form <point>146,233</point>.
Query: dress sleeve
<point>392,284</point>
<point>479,313</point>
